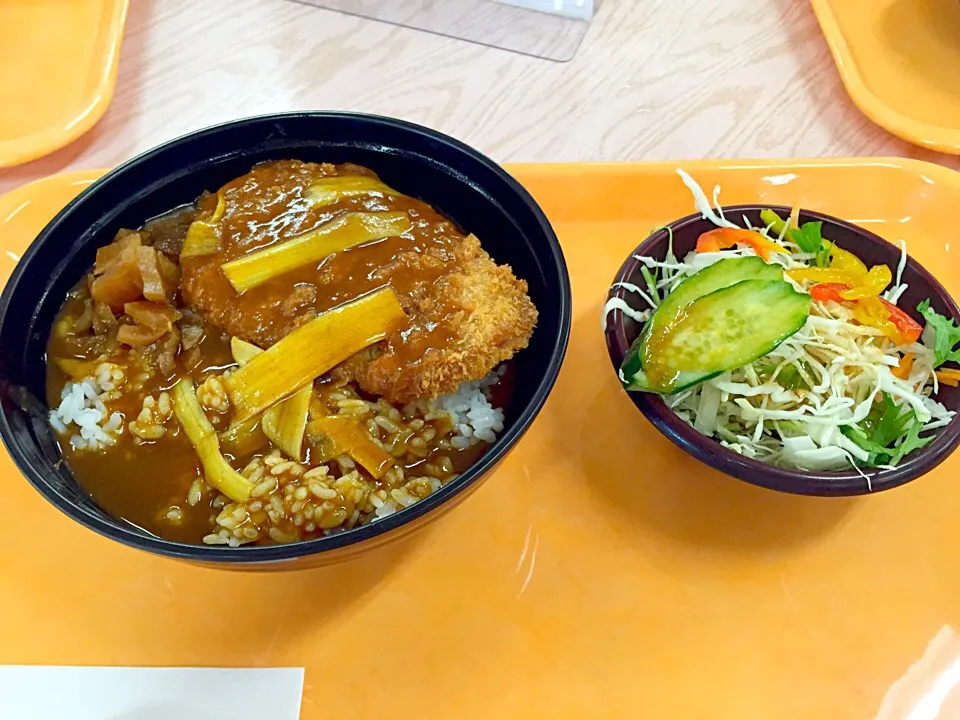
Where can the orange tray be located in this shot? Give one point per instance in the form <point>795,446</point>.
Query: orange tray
<point>900,63</point>
<point>600,573</point>
<point>60,67</point>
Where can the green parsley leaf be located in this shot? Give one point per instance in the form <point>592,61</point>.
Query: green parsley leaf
<point>911,442</point>
<point>883,427</point>
<point>893,422</point>
<point>809,239</point>
<point>823,256</point>
<point>878,453</point>
<point>946,334</point>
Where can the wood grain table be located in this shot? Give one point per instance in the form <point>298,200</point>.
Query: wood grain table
<point>653,80</point>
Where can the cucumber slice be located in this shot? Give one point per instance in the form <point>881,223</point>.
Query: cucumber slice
<point>719,275</point>
<point>722,331</point>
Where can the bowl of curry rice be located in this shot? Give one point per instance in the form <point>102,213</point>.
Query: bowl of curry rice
<point>292,337</point>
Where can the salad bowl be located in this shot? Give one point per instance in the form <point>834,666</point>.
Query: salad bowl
<point>622,331</point>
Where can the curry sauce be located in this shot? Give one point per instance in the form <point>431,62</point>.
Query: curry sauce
<point>465,317</point>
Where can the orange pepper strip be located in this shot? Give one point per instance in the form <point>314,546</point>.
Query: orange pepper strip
<point>722,238</point>
<point>904,369</point>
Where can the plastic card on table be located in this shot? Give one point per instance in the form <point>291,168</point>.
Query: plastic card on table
<point>549,29</point>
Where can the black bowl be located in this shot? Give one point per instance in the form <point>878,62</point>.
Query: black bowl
<point>464,185</point>
<point>873,250</point>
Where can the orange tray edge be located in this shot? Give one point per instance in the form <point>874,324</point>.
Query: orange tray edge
<point>899,122</point>
<point>83,106</point>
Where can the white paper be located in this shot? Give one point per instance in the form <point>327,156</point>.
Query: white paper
<point>579,9</point>
<point>128,693</point>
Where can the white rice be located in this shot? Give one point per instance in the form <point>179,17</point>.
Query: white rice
<point>474,420</point>
<point>83,412</point>
<point>473,417</point>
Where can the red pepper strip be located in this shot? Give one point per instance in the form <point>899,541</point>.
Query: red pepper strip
<point>909,328</point>
<point>828,291</point>
<point>722,238</point>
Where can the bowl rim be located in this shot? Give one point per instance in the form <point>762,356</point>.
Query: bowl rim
<point>711,452</point>
<point>133,536</point>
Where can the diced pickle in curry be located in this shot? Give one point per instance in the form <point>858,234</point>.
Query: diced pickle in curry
<point>302,351</point>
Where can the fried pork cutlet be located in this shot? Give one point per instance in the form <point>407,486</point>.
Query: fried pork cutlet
<point>466,314</point>
<point>482,316</point>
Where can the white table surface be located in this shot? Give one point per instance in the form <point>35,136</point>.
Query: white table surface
<point>653,80</point>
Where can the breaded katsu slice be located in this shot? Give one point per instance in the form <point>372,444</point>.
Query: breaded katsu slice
<point>465,313</point>
<point>482,315</point>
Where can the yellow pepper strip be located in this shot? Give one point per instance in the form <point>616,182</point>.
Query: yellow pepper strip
<point>873,313</point>
<point>848,269</point>
<point>905,367</point>
<point>204,439</point>
<point>338,435</point>
<point>203,237</point>
<point>861,287</point>
<point>311,247</point>
<point>824,275</point>
<point>865,285</point>
<point>313,349</point>
<point>841,259</point>
<point>949,377</point>
<point>870,285</point>
<point>328,190</point>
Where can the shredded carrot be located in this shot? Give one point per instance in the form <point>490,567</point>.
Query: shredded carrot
<point>905,367</point>
<point>949,377</point>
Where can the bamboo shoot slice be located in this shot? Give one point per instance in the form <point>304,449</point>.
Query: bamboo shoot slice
<point>313,349</point>
<point>77,369</point>
<point>204,439</point>
<point>328,190</point>
<point>203,237</point>
<point>346,436</point>
<point>286,422</point>
<point>242,351</point>
<point>339,234</point>
<point>244,438</point>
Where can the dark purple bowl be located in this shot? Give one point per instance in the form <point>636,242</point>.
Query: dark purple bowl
<point>873,250</point>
